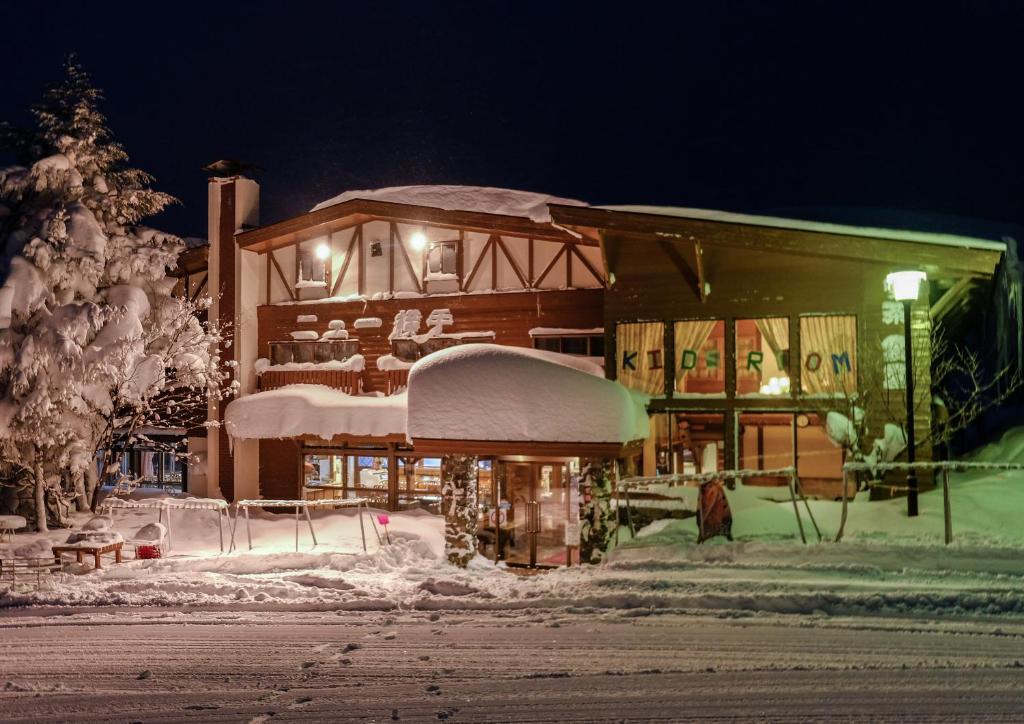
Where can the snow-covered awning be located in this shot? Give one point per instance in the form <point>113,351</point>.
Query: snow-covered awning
<point>486,392</point>
<point>314,410</point>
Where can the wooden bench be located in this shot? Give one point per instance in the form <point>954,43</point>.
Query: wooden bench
<point>94,550</point>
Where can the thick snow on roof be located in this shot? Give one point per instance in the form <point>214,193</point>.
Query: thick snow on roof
<point>924,237</point>
<point>482,199</point>
<point>318,410</point>
<point>494,392</point>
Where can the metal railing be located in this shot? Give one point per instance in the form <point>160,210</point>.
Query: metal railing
<point>942,467</point>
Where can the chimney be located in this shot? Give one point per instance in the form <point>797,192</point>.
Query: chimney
<point>233,205</point>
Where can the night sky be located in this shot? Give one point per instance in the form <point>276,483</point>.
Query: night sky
<point>853,112</point>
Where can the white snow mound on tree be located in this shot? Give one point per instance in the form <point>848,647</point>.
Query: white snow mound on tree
<point>319,410</point>
<point>495,392</point>
<point>481,199</point>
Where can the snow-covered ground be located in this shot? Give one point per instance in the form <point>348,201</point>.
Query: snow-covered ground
<point>885,565</point>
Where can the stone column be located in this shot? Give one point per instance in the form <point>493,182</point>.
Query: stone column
<point>458,501</point>
<point>598,519</point>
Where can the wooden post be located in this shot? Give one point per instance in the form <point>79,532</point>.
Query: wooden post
<point>842,518</point>
<point>796,510</point>
<point>392,477</point>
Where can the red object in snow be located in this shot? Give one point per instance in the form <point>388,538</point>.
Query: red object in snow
<point>383,519</point>
<point>144,552</point>
<point>713,514</point>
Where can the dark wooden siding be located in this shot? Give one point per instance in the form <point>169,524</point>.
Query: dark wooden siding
<point>510,316</point>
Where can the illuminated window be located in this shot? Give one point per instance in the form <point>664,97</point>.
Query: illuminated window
<point>700,357</point>
<point>762,356</point>
<point>312,265</point>
<point>443,260</point>
<point>641,356</point>
<point>828,354</point>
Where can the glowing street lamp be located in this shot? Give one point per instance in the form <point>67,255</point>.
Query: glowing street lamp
<point>904,287</point>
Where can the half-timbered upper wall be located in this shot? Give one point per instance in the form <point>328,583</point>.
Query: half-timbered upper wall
<point>382,259</point>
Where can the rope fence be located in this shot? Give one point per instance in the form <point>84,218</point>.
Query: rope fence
<point>638,485</point>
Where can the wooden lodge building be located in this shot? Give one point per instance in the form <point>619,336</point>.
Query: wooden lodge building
<point>735,329</point>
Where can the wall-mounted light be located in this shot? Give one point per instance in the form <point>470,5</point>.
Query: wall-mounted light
<point>418,240</point>
<point>322,251</point>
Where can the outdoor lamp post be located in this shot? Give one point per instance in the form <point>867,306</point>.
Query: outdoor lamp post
<point>905,286</point>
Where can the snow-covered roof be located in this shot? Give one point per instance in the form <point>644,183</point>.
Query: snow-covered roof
<point>966,242</point>
<point>481,199</point>
<point>511,394</point>
<point>296,410</point>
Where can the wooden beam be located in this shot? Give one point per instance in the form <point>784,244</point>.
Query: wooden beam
<point>680,264</point>
<point>586,263</point>
<point>392,230</point>
<point>494,262</point>
<point>979,259</point>
<point>529,268</point>
<point>199,288</point>
<point>329,261</point>
<point>512,262</point>
<point>698,252</point>
<point>950,297</point>
<point>549,267</point>
<point>361,269</point>
<point>269,280</point>
<point>568,267</point>
<point>357,233</point>
<point>345,215</point>
<point>459,259</point>
<point>284,280</point>
<point>408,260</point>
<point>476,266</point>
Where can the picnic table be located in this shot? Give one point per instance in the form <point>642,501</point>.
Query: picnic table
<point>93,549</point>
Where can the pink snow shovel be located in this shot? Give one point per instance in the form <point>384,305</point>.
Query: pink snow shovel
<point>384,520</point>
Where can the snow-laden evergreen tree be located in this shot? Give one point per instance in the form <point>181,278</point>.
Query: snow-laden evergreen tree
<point>93,344</point>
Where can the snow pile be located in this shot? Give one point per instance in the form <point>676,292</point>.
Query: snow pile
<point>355,363</point>
<point>368,323</point>
<point>390,363</point>
<point>296,410</point>
<point>305,335</point>
<point>494,392</point>
<point>481,199</point>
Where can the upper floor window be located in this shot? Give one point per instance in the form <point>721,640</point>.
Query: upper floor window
<point>443,260</point>
<point>312,265</point>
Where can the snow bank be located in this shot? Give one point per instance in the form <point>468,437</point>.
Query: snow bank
<point>355,363</point>
<point>319,410</point>
<point>494,392</point>
<point>482,199</point>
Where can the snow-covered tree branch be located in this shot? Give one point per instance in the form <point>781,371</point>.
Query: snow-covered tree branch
<point>93,344</point>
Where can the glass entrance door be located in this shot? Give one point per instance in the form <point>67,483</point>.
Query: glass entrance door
<point>530,514</point>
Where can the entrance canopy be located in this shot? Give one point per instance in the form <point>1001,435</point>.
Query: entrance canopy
<point>484,398</point>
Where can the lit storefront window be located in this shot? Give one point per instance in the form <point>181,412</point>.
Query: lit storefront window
<point>700,357</point>
<point>762,357</point>
<point>828,352</point>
